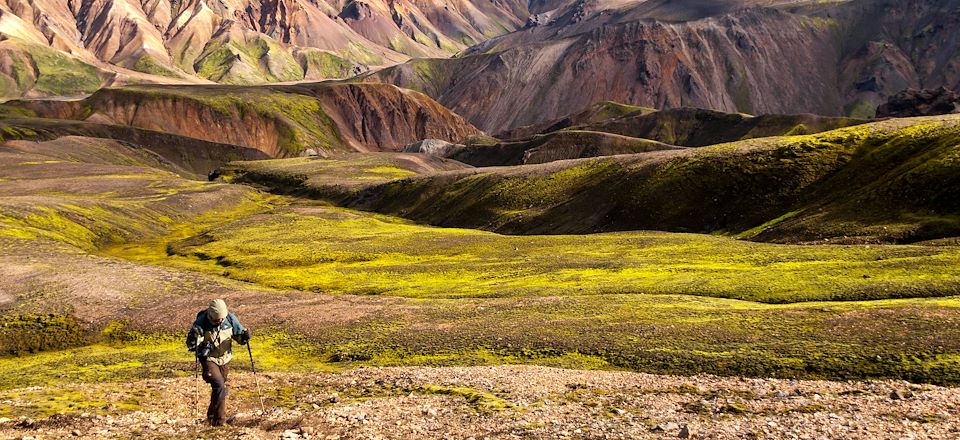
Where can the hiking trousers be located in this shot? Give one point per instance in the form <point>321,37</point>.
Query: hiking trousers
<point>216,376</point>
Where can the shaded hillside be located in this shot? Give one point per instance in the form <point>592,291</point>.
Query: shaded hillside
<point>186,156</point>
<point>840,58</point>
<point>596,113</point>
<point>691,127</point>
<point>280,120</point>
<point>608,128</point>
<point>79,46</point>
<point>885,181</point>
<point>558,145</point>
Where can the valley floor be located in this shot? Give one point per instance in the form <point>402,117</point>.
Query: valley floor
<point>508,402</point>
<point>107,254</point>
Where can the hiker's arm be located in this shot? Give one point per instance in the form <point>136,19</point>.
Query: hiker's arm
<point>192,337</point>
<point>241,334</point>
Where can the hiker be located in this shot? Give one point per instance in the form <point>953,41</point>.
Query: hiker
<point>218,327</point>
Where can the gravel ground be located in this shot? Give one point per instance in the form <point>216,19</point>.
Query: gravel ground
<point>510,402</point>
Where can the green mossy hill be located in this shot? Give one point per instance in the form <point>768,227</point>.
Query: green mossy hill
<point>150,65</point>
<point>43,71</point>
<point>246,58</point>
<point>338,178</point>
<point>558,145</point>
<point>319,64</point>
<point>889,181</point>
<point>189,157</point>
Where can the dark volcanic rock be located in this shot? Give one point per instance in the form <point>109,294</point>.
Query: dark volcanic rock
<point>913,102</point>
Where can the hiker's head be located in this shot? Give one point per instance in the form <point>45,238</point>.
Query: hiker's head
<point>217,311</point>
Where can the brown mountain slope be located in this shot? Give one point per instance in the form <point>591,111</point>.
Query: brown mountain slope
<point>237,41</point>
<point>824,58</point>
<point>280,120</point>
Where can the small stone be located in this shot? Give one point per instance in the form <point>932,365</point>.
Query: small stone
<point>686,432</point>
<point>666,427</point>
<point>900,395</point>
<point>4,420</point>
<point>335,399</point>
<point>315,406</point>
<point>76,433</point>
<point>619,411</point>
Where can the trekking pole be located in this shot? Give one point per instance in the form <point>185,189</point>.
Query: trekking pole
<point>256,379</point>
<point>196,387</point>
<point>196,377</point>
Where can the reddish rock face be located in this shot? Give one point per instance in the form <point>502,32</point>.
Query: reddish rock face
<point>280,121</point>
<point>841,59</point>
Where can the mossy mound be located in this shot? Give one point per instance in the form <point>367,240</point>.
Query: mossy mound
<point>21,334</point>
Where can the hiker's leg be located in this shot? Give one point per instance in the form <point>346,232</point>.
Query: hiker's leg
<point>214,375</point>
<point>220,416</point>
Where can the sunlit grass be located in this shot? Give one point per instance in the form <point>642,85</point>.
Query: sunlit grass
<point>333,250</point>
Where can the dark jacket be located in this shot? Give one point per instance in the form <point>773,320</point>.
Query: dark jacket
<point>221,337</point>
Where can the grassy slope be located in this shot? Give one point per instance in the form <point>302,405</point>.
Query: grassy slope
<point>886,181</point>
<point>469,297</point>
<point>341,251</point>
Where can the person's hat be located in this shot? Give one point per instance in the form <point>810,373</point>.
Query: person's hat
<point>217,310</point>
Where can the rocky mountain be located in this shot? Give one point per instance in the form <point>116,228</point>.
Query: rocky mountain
<point>73,47</point>
<point>832,58</point>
